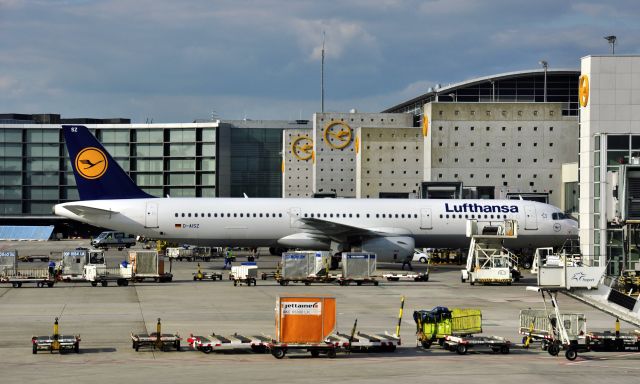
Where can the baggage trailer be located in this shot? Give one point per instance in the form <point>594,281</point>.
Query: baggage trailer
<point>245,273</point>
<point>435,325</point>
<point>32,258</point>
<point>536,326</point>
<point>55,342</point>
<point>462,344</point>
<point>423,276</point>
<point>358,268</point>
<point>303,324</point>
<point>74,262</point>
<point>179,253</point>
<point>101,275</point>
<point>614,341</point>
<point>156,340</point>
<point>148,265</point>
<point>306,267</point>
<point>362,342</point>
<point>199,275</point>
<point>208,344</point>
<point>40,276</point>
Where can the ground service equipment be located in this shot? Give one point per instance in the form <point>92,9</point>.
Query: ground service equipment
<point>55,342</point>
<point>156,340</point>
<point>536,325</point>
<point>199,275</point>
<point>462,344</point>
<point>212,343</point>
<point>304,323</point>
<point>411,276</point>
<point>359,268</point>
<point>488,262</point>
<point>245,273</point>
<point>148,265</point>
<point>435,325</point>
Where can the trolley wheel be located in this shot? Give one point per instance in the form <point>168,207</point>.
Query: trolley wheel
<point>391,348</point>
<point>461,349</point>
<point>136,346</point>
<point>125,283</point>
<point>195,278</point>
<point>426,278</point>
<point>472,283</point>
<point>544,345</point>
<point>278,353</point>
<point>331,353</point>
<point>94,284</point>
<point>358,283</point>
<point>315,353</point>
<point>375,283</point>
<point>426,344</point>
<point>34,349</point>
<point>39,285</point>
<point>571,354</point>
<point>207,350</point>
<point>553,349</point>
<point>105,283</point>
<point>307,283</point>
<point>76,347</point>
<point>50,284</point>
<point>177,345</point>
<point>15,285</point>
<point>504,349</point>
<point>235,283</point>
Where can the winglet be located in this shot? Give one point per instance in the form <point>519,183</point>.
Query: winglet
<point>98,176</point>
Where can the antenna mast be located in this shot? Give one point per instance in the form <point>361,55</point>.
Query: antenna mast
<point>322,77</point>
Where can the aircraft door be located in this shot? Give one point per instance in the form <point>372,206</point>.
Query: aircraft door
<point>294,213</point>
<point>151,217</point>
<point>530,220</point>
<point>425,218</point>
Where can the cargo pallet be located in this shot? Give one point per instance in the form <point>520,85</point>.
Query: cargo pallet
<point>309,280</point>
<point>362,342</point>
<point>423,276</point>
<point>56,342</point>
<point>462,345</point>
<point>347,281</point>
<point>208,344</point>
<point>156,340</point>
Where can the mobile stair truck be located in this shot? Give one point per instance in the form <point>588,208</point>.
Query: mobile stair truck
<point>584,282</point>
<point>11,274</point>
<point>435,325</point>
<point>488,261</point>
<point>303,324</point>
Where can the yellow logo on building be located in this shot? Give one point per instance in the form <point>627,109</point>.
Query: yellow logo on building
<point>91,163</point>
<point>583,90</point>
<point>337,134</point>
<point>302,148</point>
<point>425,125</point>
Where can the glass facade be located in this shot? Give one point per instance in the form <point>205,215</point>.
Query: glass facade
<point>35,171</point>
<point>256,162</point>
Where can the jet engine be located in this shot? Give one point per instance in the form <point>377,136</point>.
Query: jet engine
<point>389,249</point>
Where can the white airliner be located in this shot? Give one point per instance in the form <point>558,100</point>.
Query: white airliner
<point>391,228</point>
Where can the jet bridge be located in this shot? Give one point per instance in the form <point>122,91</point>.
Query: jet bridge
<point>488,261</point>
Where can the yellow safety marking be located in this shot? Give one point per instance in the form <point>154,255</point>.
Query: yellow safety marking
<point>425,125</point>
<point>583,90</point>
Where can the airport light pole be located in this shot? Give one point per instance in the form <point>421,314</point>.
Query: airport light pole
<point>545,65</point>
<point>612,41</point>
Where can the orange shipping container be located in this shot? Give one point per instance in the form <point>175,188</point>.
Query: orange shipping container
<point>305,319</point>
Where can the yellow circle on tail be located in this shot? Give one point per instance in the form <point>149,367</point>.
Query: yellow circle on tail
<point>91,163</point>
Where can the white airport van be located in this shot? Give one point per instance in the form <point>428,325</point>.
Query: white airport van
<point>113,239</point>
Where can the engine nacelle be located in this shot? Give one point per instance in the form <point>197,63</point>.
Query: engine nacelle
<point>305,241</point>
<point>390,249</point>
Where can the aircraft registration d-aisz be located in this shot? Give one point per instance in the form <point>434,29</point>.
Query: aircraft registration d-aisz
<point>391,228</point>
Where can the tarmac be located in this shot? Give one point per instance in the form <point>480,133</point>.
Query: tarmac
<point>106,316</point>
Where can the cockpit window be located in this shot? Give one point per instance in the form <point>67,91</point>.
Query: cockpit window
<point>561,216</point>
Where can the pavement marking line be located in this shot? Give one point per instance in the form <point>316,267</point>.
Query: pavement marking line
<point>5,292</point>
<point>144,323</point>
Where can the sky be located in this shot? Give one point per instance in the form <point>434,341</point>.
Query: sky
<point>176,61</point>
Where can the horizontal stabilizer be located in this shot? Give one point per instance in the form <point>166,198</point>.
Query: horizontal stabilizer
<point>83,210</point>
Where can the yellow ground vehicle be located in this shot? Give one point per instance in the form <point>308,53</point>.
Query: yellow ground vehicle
<point>436,324</point>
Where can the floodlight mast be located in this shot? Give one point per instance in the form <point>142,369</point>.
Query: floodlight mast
<point>545,65</point>
<point>612,41</point>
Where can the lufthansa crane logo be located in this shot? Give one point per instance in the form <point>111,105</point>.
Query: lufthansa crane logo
<point>583,90</point>
<point>337,134</point>
<point>302,148</point>
<point>91,163</point>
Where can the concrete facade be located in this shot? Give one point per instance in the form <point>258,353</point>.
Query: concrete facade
<point>507,147</point>
<point>388,161</point>
<point>297,163</point>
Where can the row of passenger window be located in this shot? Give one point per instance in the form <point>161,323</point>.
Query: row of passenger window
<point>306,215</point>
<point>473,216</point>
<point>228,215</point>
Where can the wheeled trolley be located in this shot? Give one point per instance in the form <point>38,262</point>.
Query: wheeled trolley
<point>156,340</point>
<point>246,273</point>
<point>41,277</point>
<point>423,276</point>
<point>56,342</point>
<point>462,345</point>
<point>348,281</point>
<point>362,342</point>
<point>213,342</point>
<point>200,276</point>
<point>279,350</point>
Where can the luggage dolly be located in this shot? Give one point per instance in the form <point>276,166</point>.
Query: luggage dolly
<point>279,350</point>
<point>215,342</point>
<point>461,345</point>
<point>347,281</point>
<point>199,275</point>
<point>423,276</point>
<point>56,342</point>
<point>156,340</point>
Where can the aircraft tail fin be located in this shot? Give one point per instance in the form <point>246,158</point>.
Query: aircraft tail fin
<point>98,176</point>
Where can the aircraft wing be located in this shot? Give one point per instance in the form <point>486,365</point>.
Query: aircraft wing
<point>336,230</point>
<point>83,210</point>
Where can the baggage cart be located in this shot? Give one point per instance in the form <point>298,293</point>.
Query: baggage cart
<point>303,324</point>
<point>179,253</point>
<point>199,275</point>
<point>102,275</point>
<point>202,254</point>
<point>411,276</point>
<point>359,268</point>
<point>462,344</point>
<point>208,344</point>
<point>614,341</point>
<point>536,326</point>
<point>40,276</point>
<point>56,342</point>
<point>245,273</point>
<point>148,265</point>
<point>32,258</point>
<point>156,340</point>
<point>435,325</point>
